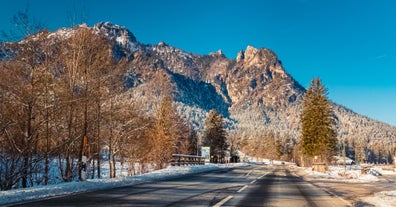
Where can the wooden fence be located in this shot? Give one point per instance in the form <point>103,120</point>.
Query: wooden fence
<point>179,159</point>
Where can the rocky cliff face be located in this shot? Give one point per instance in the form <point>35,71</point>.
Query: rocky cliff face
<point>253,91</point>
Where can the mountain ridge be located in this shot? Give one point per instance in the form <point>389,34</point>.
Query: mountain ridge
<point>253,91</point>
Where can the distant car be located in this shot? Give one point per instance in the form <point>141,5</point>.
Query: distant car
<point>283,163</point>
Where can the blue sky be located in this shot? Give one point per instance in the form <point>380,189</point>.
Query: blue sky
<point>351,45</point>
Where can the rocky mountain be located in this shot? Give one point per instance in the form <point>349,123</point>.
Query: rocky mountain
<point>253,92</point>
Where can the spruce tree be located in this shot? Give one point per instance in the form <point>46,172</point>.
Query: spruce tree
<point>318,135</point>
<point>215,136</point>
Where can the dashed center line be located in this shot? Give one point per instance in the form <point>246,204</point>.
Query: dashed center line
<point>223,201</point>
<point>226,199</point>
<point>247,175</point>
<point>243,188</point>
<point>263,175</point>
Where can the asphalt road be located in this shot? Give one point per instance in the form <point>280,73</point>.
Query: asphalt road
<point>254,185</point>
<point>281,187</point>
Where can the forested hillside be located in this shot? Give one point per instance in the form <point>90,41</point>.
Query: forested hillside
<point>100,86</point>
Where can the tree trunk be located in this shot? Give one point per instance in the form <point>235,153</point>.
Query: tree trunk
<point>84,138</point>
<point>25,170</point>
<point>93,168</point>
<point>114,167</point>
<point>111,150</point>
<point>68,170</point>
<point>46,168</point>
<point>98,138</point>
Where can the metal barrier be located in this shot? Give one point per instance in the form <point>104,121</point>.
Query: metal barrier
<point>180,159</point>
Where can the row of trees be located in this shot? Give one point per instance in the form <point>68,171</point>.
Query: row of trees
<point>63,97</point>
<point>318,141</point>
<point>268,145</point>
<point>62,100</point>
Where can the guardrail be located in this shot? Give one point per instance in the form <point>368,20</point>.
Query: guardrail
<point>180,159</point>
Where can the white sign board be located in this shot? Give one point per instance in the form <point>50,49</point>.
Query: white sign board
<point>205,152</point>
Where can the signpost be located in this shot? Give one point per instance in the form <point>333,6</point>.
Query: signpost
<point>205,152</point>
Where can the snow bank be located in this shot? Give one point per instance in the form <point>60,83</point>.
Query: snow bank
<point>34,193</point>
<point>353,174</point>
<point>350,174</point>
<point>382,199</point>
<point>385,170</point>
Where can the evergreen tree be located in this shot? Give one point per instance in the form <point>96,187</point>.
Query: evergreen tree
<point>215,136</point>
<point>318,134</point>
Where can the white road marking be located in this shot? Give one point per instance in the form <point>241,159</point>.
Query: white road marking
<point>340,198</point>
<point>263,175</point>
<point>249,173</point>
<point>243,188</point>
<point>222,201</point>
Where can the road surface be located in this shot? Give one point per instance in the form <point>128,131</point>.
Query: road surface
<point>254,185</point>
<point>281,187</point>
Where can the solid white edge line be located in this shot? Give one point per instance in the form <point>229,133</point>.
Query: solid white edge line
<point>223,201</point>
<point>253,181</point>
<point>243,188</point>
<point>340,198</point>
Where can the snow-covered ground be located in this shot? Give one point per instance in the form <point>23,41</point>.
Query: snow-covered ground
<point>352,174</point>
<point>382,199</point>
<point>340,173</point>
<point>40,192</point>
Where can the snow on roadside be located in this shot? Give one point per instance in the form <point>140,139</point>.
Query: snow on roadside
<point>349,175</point>
<point>40,192</point>
<point>382,199</point>
<point>353,175</point>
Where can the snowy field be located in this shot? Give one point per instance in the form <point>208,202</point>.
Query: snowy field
<point>40,192</point>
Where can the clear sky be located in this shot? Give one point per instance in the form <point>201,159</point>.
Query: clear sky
<point>350,44</point>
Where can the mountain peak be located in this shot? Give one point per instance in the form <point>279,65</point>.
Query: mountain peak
<point>115,32</point>
<point>251,50</point>
<point>240,56</point>
<point>162,44</point>
<point>253,57</point>
<point>217,53</point>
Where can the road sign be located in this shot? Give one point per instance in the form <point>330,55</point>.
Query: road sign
<point>205,152</point>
